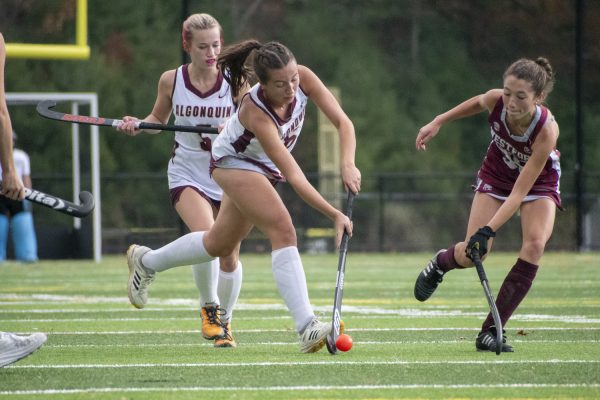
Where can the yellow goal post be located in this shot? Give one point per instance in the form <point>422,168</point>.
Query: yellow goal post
<point>78,51</point>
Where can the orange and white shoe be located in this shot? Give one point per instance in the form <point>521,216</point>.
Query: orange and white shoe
<point>211,322</point>
<point>227,340</point>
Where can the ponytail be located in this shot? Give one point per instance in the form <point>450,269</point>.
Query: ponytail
<point>233,65</point>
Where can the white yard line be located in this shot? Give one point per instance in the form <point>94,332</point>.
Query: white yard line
<point>294,343</point>
<point>425,329</point>
<point>300,363</point>
<point>192,304</point>
<point>297,388</point>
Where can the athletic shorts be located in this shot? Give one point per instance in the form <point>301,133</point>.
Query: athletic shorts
<point>175,194</point>
<point>240,163</point>
<point>190,168</point>
<point>482,187</point>
<point>11,207</point>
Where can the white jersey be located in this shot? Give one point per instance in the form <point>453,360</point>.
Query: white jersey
<point>237,143</point>
<point>190,163</point>
<point>22,165</point>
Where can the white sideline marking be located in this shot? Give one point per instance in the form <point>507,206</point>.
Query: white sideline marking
<point>251,344</point>
<point>517,317</point>
<point>304,388</point>
<point>197,331</point>
<point>298,363</point>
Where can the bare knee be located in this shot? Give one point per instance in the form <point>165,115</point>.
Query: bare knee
<point>533,249</point>
<point>228,263</point>
<point>220,248</point>
<point>282,235</point>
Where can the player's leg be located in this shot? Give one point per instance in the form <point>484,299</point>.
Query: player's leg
<point>230,284</point>
<point>23,235</point>
<point>537,223</point>
<point>197,213</point>
<point>255,197</point>
<point>483,208</point>
<point>4,224</point>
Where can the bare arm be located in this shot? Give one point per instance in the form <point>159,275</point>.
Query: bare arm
<point>543,146</point>
<point>324,99</point>
<point>474,105</point>
<point>160,112</point>
<point>12,186</point>
<point>257,122</point>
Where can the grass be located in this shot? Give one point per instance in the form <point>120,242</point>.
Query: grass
<point>99,347</point>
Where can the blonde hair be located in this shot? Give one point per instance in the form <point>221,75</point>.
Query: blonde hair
<point>195,22</point>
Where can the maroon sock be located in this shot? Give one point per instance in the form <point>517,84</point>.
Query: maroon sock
<point>446,260</point>
<point>513,290</point>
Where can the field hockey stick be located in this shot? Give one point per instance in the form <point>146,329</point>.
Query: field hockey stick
<point>44,108</point>
<point>488,294</point>
<point>339,285</point>
<point>60,205</point>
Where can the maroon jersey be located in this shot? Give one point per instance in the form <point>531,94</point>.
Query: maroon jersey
<point>507,154</point>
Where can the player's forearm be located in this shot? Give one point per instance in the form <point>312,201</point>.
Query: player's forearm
<point>6,148</point>
<point>465,109</point>
<point>347,145</point>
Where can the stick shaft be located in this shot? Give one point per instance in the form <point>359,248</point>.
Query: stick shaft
<point>490,298</point>
<point>339,287</point>
<point>44,108</point>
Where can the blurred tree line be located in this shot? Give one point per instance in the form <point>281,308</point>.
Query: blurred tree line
<point>398,63</point>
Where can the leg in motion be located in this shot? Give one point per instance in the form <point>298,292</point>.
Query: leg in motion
<point>144,263</point>
<point>248,192</point>
<point>482,209</point>
<point>140,277</point>
<point>230,283</point>
<point>537,222</point>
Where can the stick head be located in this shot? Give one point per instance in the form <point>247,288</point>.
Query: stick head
<point>87,204</point>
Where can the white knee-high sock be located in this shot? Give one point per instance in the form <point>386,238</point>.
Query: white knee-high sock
<point>228,290</point>
<point>187,250</point>
<point>206,276</point>
<point>291,282</point>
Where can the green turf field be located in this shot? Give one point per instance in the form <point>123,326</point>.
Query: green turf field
<point>99,347</point>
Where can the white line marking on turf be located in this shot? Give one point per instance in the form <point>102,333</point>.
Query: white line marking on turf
<point>303,388</point>
<point>197,331</point>
<point>299,363</point>
<point>250,344</point>
<point>371,311</point>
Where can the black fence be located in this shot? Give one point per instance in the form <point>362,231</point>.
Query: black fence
<point>396,212</point>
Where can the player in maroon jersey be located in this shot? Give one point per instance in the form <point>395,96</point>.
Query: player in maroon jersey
<point>520,171</point>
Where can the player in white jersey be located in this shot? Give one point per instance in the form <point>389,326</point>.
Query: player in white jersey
<point>251,153</point>
<point>197,94</point>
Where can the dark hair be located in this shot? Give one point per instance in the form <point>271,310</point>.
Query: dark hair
<point>234,60</point>
<point>539,73</point>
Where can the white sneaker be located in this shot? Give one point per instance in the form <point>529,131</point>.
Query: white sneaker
<point>139,277</point>
<point>14,347</point>
<point>314,336</point>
